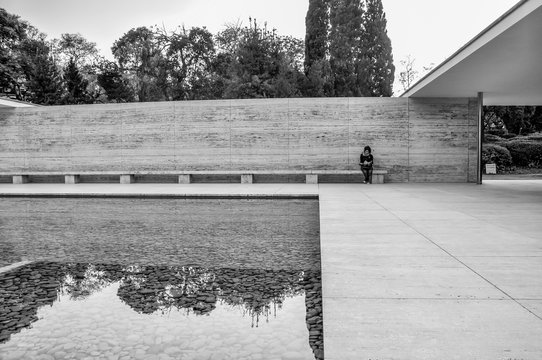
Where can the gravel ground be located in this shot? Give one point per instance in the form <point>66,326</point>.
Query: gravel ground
<point>241,233</point>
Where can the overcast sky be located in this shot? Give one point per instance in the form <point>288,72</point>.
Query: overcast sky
<point>428,30</point>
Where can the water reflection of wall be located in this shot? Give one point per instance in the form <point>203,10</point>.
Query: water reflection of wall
<point>148,289</point>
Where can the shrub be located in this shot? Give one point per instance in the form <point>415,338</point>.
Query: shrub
<point>498,132</point>
<point>491,138</point>
<point>496,154</point>
<point>534,136</point>
<point>525,152</point>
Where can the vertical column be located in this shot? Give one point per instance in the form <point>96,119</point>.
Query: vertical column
<point>480,136</point>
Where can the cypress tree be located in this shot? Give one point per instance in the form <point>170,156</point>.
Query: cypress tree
<point>316,27</point>
<point>377,58</point>
<point>345,40</point>
<point>318,80</point>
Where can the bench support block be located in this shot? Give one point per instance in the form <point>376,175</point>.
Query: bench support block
<point>185,179</point>
<point>71,179</point>
<point>247,179</point>
<point>20,179</point>
<point>378,178</point>
<point>127,179</point>
<point>311,179</point>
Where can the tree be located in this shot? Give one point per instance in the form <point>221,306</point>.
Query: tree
<point>263,64</point>
<point>140,55</point>
<point>190,55</point>
<point>12,33</point>
<point>519,120</point>
<point>318,79</point>
<point>74,47</point>
<point>377,51</point>
<point>76,85</point>
<point>116,87</point>
<point>316,37</point>
<point>44,80</point>
<point>409,74</point>
<point>345,49</point>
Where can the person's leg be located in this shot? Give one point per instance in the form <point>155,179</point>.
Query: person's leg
<point>365,175</point>
<point>370,176</point>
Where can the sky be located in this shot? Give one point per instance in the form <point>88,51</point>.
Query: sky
<point>427,30</point>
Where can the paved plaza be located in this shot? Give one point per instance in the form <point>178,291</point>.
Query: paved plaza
<point>410,271</point>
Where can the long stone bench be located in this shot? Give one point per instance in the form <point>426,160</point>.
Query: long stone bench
<point>185,176</point>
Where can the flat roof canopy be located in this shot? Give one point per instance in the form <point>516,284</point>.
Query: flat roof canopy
<point>504,62</point>
<point>10,103</point>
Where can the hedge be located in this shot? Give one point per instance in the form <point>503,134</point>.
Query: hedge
<point>491,138</point>
<point>524,152</point>
<point>496,154</point>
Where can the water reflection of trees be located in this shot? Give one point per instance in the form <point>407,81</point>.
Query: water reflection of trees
<point>258,293</point>
<point>149,289</point>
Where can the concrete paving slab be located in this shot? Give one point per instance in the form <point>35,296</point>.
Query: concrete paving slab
<point>533,305</point>
<point>403,277</point>
<point>366,311</point>
<point>424,215</point>
<point>430,329</point>
<point>382,245</point>
<point>483,243</point>
<point>518,276</point>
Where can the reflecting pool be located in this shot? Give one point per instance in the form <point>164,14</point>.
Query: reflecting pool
<point>171,295</point>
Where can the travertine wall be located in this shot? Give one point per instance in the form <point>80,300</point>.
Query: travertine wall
<point>414,139</point>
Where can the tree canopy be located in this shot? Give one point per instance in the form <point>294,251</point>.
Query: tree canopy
<point>346,52</point>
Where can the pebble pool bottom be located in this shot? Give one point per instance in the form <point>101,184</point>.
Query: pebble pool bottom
<point>160,279</point>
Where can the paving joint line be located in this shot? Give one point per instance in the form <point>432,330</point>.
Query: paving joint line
<point>457,259</point>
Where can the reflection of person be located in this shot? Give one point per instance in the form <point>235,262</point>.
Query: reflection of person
<point>366,164</point>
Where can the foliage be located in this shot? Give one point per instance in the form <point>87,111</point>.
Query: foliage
<point>76,86</point>
<point>316,43</point>
<point>409,73</point>
<point>262,65</point>
<point>347,60</point>
<point>496,154</point>
<point>346,53</point>
<point>140,56</point>
<point>189,57</point>
<point>376,43</point>
<point>515,119</point>
<point>12,33</point>
<point>524,152</point>
<point>360,53</point>
<point>75,48</point>
<point>534,136</point>
<point>492,138</point>
<point>43,78</point>
<point>116,87</point>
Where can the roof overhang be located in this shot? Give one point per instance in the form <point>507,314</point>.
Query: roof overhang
<point>504,62</point>
<point>10,103</point>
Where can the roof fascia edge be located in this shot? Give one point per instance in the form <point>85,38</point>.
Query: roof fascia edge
<point>497,27</point>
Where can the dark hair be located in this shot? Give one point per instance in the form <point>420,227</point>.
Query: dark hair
<point>367,148</point>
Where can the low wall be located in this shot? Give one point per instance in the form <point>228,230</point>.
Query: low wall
<point>414,139</point>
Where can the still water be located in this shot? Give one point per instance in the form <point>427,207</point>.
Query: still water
<point>201,305</point>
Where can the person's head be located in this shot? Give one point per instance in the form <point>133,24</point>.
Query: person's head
<point>367,150</point>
